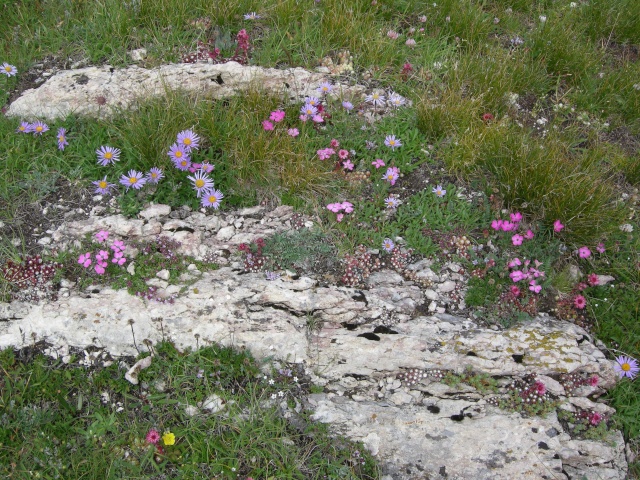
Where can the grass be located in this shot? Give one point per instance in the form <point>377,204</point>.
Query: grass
<point>559,82</point>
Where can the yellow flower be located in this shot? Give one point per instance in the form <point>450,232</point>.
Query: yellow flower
<point>168,438</point>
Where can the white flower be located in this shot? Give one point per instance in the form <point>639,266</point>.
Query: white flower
<point>271,382</point>
<point>573,4</point>
<point>274,396</point>
<point>543,18</point>
<point>627,228</point>
<point>281,393</point>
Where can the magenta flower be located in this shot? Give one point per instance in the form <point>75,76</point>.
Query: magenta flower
<point>212,198</point>
<point>153,436</point>
<point>600,248</point>
<point>102,236</point>
<point>277,116</point>
<point>515,263</point>
<point>626,367</point>
<point>317,118</point>
<point>293,132</point>
<point>325,153</point>
<point>267,125</point>
<point>24,127</point>
<point>593,381</point>
<point>529,235</point>
<point>392,142</point>
<point>497,224</point>
<point>540,387</point>
<point>154,175</point>
<point>343,154</point>
<point>391,175</point>
<point>85,259</point>
<point>584,252</point>
<point>107,155</point>
<point>348,165</point>
<point>439,191</point>
<point>507,226</point>
<point>303,118</point>
<point>39,128</point>
<point>388,245</point>
<point>516,217</point>
<point>515,291</point>
<point>62,138</point>
<point>188,140</point>
<point>339,217</point>
<point>517,239</point>
<point>593,280</point>
<point>517,275</point>
<point>334,207</point>
<point>579,302</point>
<point>8,70</point>
<point>348,207</point>
<point>595,418</point>
<point>391,202</point>
<point>378,163</point>
<point>557,226</point>
<point>133,179</point>
<point>534,287</point>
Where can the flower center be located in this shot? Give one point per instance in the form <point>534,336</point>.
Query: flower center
<point>199,183</point>
<point>102,184</point>
<point>213,199</point>
<point>187,141</point>
<point>183,163</point>
<point>178,154</point>
<point>154,175</point>
<point>392,142</point>
<point>7,68</point>
<point>132,180</point>
<point>38,128</point>
<point>108,155</point>
<point>376,96</point>
<point>626,367</point>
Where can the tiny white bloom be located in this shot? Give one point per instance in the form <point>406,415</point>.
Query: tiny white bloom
<point>271,382</point>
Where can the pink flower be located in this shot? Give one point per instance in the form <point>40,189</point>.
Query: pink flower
<point>516,217</point>
<point>595,418</point>
<point>293,132</point>
<point>102,236</point>
<point>335,207</point>
<point>100,268</point>
<point>592,278</point>
<point>557,226</point>
<point>593,381</point>
<point>267,125</point>
<point>515,262</point>
<point>325,153</point>
<point>334,143</point>
<point>517,275</point>
<point>348,207</point>
<point>304,118</point>
<point>378,163</point>
<point>339,217</point>
<point>85,259</point>
<point>496,224</point>
<point>529,235</point>
<point>348,165</point>
<point>584,252</point>
<point>515,290</point>
<point>277,116</point>
<point>153,437</point>
<point>534,287</point>
<point>541,388</point>
<point>317,118</point>
<point>600,248</point>
<point>507,226</point>
<point>579,302</point>
<point>517,239</point>
<point>343,154</point>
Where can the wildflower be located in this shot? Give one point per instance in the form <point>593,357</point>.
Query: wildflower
<point>252,16</point>
<point>317,118</point>
<point>267,125</point>
<point>392,34</point>
<point>392,141</point>
<point>529,235</point>
<point>439,191</point>
<point>184,164</point>
<point>375,98</point>
<point>515,263</point>
<point>25,127</point>
<point>347,105</point>
<point>153,436</point>
<point>579,302</point>
<point>388,245</point>
<point>543,18</point>
<point>557,226</point>
<point>516,217</point>
<point>343,154</point>
<point>293,132</point>
<point>133,179</point>
<point>8,70</point>
<point>348,165</point>
<point>600,248</point>
<point>391,202</point>
<point>277,116</point>
<point>593,381</point>
<point>540,387</point>
<point>168,438</point>
<point>324,88</point>
<point>410,42</point>
<point>103,187</point>
<point>391,175</point>
<point>626,367</point>
<point>62,138</point>
<point>517,239</point>
<point>397,100</point>
<point>378,163</point>
<point>85,259</point>
<point>497,224</point>
<point>626,227</point>
<point>584,252</point>
<point>154,175</point>
<point>593,280</point>
<point>517,275</point>
<point>107,155</point>
<point>348,207</point>
<point>334,143</point>
<point>534,287</point>
<point>325,153</point>
<point>595,418</point>
<point>212,198</point>
<point>39,128</point>
<point>422,18</point>
<point>271,276</point>
<point>102,236</point>
<point>201,182</point>
<point>515,291</point>
<point>334,207</point>
<point>507,226</point>
<point>188,139</point>
<point>487,117</point>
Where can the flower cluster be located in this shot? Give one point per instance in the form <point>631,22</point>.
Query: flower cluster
<point>102,256</point>
<point>31,279</point>
<point>525,271</point>
<point>415,375</point>
<point>254,260</point>
<point>512,225</point>
<point>526,394</point>
<point>37,128</point>
<point>337,208</point>
<point>359,266</point>
<point>575,380</point>
<point>207,52</point>
<point>156,295</point>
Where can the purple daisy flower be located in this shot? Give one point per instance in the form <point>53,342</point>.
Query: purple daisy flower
<point>324,88</point>
<point>388,245</point>
<point>103,187</point>
<point>375,98</point>
<point>184,164</point>
<point>8,70</point>
<point>107,155</point>
<point>154,175</point>
<point>308,110</point>
<point>62,138</point>
<point>391,175</point>
<point>312,101</point>
<point>626,367</point>
<point>212,198</point>
<point>188,139</point>
<point>439,191</point>
<point>391,202</point>
<point>347,105</point>
<point>25,127</point>
<point>39,128</point>
<point>392,141</point>
<point>133,179</point>
<point>201,182</point>
<point>178,152</point>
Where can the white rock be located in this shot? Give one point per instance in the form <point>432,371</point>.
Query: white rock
<point>430,294</point>
<point>213,403</point>
<point>132,374</point>
<point>44,241</point>
<point>226,233</point>
<point>447,286</point>
<point>163,274</point>
<point>138,54</point>
<point>155,211</point>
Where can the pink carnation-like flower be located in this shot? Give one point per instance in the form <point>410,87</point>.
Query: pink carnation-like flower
<point>293,132</point>
<point>557,226</point>
<point>339,217</point>
<point>85,259</point>
<point>267,125</point>
<point>102,236</point>
<point>497,224</point>
<point>516,217</point>
<point>348,207</point>
<point>584,252</point>
<point>517,275</point>
<point>153,436</point>
<point>534,287</point>
<point>335,207</point>
<point>529,235</point>
<point>579,302</point>
<point>334,143</point>
<point>507,226</point>
<point>517,239</point>
<point>277,116</point>
<point>378,163</point>
<point>600,248</point>
<point>348,165</point>
<point>343,154</point>
<point>593,280</point>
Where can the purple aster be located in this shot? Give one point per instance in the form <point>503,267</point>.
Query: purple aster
<point>154,175</point>
<point>375,98</point>
<point>391,175</point>
<point>312,101</point>
<point>184,164</point>
<point>396,100</point>
<point>392,141</point>
<point>25,127</point>
<point>347,105</point>
<point>8,70</point>
<point>133,179</point>
<point>388,245</point>
<point>62,138</point>
<point>107,155</point>
<point>324,88</point>
<point>178,152</point>
<point>391,202</point>
<point>39,128</point>
<point>271,276</point>
<point>103,187</point>
<point>188,139</point>
<point>207,167</point>
<point>439,191</point>
<point>201,182</point>
<point>212,198</point>
<point>309,110</point>
<point>626,367</point>
<point>251,16</point>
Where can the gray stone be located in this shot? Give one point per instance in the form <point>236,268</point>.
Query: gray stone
<point>155,211</point>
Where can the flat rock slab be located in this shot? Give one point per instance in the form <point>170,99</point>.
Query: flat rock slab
<point>77,91</point>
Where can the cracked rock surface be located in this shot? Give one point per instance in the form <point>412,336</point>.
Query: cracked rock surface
<point>345,340</point>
